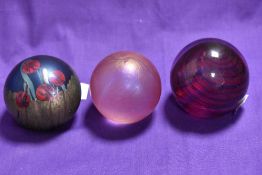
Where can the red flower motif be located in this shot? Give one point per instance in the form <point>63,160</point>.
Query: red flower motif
<point>22,99</point>
<point>58,78</point>
<point>30,66</point>
<point>45,92</point>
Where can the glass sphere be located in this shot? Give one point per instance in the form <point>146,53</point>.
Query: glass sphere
<point>42,92</point>
<point>125,87</point>
<point>209,78</point>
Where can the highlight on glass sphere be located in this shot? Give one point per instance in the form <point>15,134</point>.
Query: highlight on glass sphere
<point>125,87</point>
<point>42,92</point>
<point>209,78</point>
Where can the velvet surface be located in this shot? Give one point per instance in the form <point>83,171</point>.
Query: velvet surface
<point>169,142</point>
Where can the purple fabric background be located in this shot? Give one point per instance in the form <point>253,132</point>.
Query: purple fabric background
<point>82,33</point>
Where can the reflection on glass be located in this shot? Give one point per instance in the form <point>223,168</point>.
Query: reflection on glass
<point>47,75</point>
<point>213,74</point>
<point>214,54</point>
<point>130,66</point>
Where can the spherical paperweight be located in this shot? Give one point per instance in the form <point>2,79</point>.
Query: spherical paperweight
<point>125,87</point>
<point>42,92</point>
<point>209,78</point>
